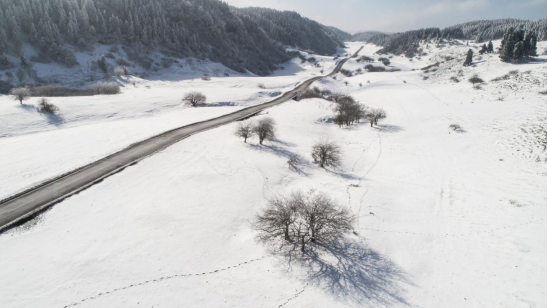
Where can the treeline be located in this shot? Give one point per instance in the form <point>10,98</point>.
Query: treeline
<point>481,31</point>
<point>241,40</point>
<point>292,29</point>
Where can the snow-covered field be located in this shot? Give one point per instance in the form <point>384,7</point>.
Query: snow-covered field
<point>445,219</point>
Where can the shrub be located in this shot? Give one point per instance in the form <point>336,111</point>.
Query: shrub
<point>456,127</point>
<point>265,129</point>
<point>454,79</point>
<point>46,107</point>
<point>58,91</point>
<point>303,218</point>
<point>194,99</point>
<point>346,73</point>
<point>475,79</point>
<point>206,77</point>
<point>326,153</point>
<point>371,68</point>
<point>105,88</point>
<point>121,71</point>
<point>261,86</point>
<point>103,64</point>
<point>385,61</point>
<point>309,93</point>
<point>543,92</point>
<point>20,94</point>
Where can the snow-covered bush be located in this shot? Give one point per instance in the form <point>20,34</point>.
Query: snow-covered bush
<point>303,218</point>
<point>194,99</point>
<point>206,77</point>
<point>456,127</point>
<point>46,107</point>
<point>121,71</point>
<point>261,86</point>
<point>105,88</point>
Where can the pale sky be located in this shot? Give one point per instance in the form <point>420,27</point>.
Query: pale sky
<point>399,15</point>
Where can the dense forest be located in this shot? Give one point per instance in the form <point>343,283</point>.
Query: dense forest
<point>480,31</point>
<point>241,39</point>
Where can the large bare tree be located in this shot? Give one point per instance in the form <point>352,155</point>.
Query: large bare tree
<point>265,129</point>
<point>303,218</point>
<point>375,115</point>
<point>326,153</point>
<point>194,99</point>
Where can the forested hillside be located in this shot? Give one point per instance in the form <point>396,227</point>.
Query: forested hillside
<point>198,28</point>
<point>481,31</point>
<point>294,30</point>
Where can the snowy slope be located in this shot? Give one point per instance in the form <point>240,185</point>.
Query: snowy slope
<point>445,219</point>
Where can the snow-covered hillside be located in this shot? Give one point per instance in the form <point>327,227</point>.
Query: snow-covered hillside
<point>444,218</point>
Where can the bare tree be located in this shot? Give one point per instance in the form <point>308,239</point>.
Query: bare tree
<point>45,106</point>
<point>303,218</point>
<point>20,94</point>
<point>294,161</point>
<point>349,112</point>
<point>375,115</point>
<point>326,153</point>
<point>265,129</point>
<point>194,99</point>
<point>277,219</point>
<point>245,130</point>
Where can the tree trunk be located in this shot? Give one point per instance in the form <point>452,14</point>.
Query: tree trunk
<point>245,139</point>
<point>303,244</point>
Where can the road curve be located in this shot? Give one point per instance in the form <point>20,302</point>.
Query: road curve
<point>21,206</point>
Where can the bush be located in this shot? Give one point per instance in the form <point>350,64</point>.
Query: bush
<point>346,73</point>
<point>206,77</point>
<point>456,128</point>
<point>121,71</point>
<point>194,99</point>
<point>543,92</point>
<point>309,93</point>
<point>45,106</point>
<point>371,68</point>
<point>475,79</point>
<point>261,86</point>
<point>59,91</point>
<point>454,79</point>
<point>303,218</point>
<point>385,61</point>
<point>326,153</point>
<point>265,129</point>
<point>105,88</point>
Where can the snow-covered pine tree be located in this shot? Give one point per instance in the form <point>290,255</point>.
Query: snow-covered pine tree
<point>507,46</point>
<point>490,47</point>
<point>518,53</point>
<point>468,58</point>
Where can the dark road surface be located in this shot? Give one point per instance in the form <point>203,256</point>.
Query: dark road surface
<point>24,205</point>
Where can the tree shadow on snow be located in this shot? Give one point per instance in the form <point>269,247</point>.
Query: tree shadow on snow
<point>53,119</point>
<point>351,272</point>
<point>387,128</point>
<point>28,108</point>
<point>346,176</point>
<point>284,153</point>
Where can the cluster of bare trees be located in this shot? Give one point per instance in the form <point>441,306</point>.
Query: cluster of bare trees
<point>349,111</point>
<point>303,218</point>
<point>264,129</point>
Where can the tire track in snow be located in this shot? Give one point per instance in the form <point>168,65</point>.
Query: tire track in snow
<point>164,278</point>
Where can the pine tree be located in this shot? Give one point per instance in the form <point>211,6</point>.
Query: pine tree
<point>103,65</point>
<point>484,49</point>
<point>490,47</point>
<point>518,53</point>
<point>24,61</point>
<point>533,52</point>
<point>507,46</point>
<point>469,58</point>
<point>4,62</point>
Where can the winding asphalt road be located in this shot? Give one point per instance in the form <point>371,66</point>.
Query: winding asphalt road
<point>25,204</point>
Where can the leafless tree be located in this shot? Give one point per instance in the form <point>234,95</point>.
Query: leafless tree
<point>245,130</point>
<point>20,94</point>
<point>326,153</point>
<point>375,115</point>
<point>294,161</point>
<point>277,219</point>
<point>349,112</point>
<point>45,106</point>
<point>194,99</point>
<point>303,218</point>
<point>265,129</point>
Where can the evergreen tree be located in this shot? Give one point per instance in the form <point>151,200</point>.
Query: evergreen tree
<point>4,62</point>
<point>484,49</point>
<point>490,47</point>
<point>507,46</point>
<point>533,52</point>
<point>103,65</point>
<point>24,62</point>
<point>469,58</point>
<point>518,53</point>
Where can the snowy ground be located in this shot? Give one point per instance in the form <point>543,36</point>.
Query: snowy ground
<point>445,219</point>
